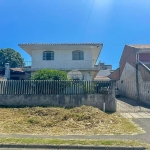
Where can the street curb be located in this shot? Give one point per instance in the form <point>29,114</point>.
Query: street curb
<point>35,146</point>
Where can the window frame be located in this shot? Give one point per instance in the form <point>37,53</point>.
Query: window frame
<point>78,55</point>
<point>50,53</point>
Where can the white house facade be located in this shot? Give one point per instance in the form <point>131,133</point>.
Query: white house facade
<point>76,56</point>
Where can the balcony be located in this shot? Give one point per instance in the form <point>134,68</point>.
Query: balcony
<point>59,65</point>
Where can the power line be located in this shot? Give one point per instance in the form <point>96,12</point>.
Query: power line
<point>90,12</point>
<point>88,16</point>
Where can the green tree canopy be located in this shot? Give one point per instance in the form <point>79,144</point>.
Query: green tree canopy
<point>12,57</point>
<point>47,74</point>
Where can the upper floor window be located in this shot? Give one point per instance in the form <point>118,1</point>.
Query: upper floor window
<point>48,55</point>
<point>77,55</point>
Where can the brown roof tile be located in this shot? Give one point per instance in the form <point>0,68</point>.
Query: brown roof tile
<point>17,69</point>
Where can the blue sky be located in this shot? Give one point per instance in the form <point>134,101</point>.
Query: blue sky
<point>111,22</point>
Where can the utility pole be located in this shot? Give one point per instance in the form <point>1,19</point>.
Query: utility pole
<point>137,83</point>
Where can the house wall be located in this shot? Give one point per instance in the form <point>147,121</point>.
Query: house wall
<point>144,57</point>
<point>129,74</point>
<point>127,83</point>
<point>87,75</point>
<point>144,92</point>
<point>129,89</point>
<point>144,71</point>
<point>62,59</point>
<point>115,75</point>
<point>128,56</point>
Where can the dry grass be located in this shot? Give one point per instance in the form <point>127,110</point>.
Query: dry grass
<point>60,121</point>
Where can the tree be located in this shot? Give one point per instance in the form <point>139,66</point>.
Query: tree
<point>12,57</point>
<point>47,74</point>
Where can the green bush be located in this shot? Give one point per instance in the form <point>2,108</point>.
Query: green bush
<point>47,74</point>
<point>55,80</point>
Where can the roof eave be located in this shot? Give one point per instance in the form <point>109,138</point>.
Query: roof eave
<point>99,53</point>
<point>29,51</point>
<point>25,44</point>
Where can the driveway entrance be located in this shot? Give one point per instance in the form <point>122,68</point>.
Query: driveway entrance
<point>130,108</point>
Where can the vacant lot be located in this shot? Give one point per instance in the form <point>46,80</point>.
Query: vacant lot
<point>60,121</point>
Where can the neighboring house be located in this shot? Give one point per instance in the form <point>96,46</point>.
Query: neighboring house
<point>133,74</point>
<point>101,78</point>
<point>132,55</point>
<point>76,56</point>
<point>115,75</point>
<point>15,74</point>
<point>103,75</point>
<point>105,71</point>
<point>104,67</point>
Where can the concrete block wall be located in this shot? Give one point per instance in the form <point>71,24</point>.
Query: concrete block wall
<point>95,100</point>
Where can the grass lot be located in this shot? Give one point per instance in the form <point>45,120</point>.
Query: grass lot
<point>73,142</point>
<point>60,121</point>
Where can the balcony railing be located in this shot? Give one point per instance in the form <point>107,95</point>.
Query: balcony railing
<point>61,65</point>
<point>148,65</point>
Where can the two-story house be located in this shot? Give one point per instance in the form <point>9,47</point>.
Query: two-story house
<point>68,57</point>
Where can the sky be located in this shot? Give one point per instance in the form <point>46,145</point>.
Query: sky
<point>111,22</point>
